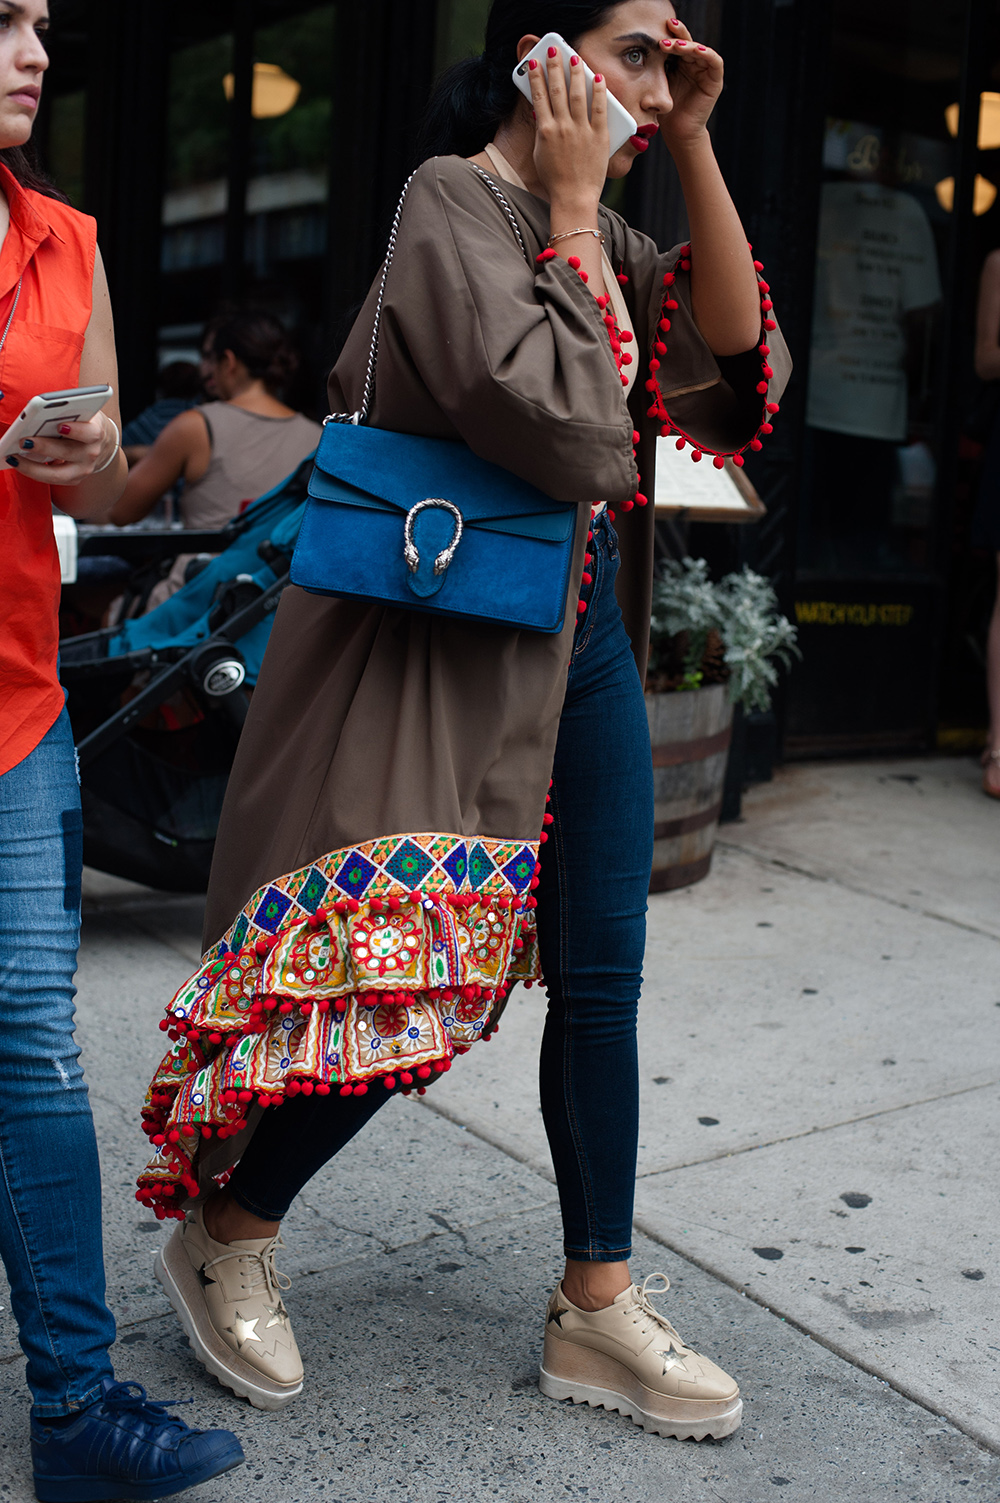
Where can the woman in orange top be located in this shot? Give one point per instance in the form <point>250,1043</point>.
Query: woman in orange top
<point>91,1437</point>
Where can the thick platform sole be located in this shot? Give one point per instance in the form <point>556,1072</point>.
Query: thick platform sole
<point>180,1284</point>
<point>589,1377</point>
<point>93,1490</point>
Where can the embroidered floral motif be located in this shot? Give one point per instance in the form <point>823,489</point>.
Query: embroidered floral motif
<point>379,990</point>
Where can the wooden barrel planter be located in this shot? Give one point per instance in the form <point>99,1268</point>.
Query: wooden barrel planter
<point>690,733</point>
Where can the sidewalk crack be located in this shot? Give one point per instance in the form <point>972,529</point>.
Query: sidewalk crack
<point>865,892</point>
<point>809,1132</point>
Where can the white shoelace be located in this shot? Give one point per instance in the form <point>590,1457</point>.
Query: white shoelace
<point>645,1314</point>
<point>262,1271</point>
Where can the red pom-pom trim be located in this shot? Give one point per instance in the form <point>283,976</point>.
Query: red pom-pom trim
<point>658,408</point>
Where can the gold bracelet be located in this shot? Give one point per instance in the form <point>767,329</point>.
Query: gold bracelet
<point>568,234</point>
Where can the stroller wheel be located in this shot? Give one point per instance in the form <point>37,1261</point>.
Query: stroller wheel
<point>223,677</point>
<point>218,669</point>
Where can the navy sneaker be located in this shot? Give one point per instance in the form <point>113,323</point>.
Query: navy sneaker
<point>125,1446</point>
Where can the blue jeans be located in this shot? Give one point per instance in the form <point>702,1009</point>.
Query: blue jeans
<point>592,934</point>
<point>592,923</point>
<point>50,1186</point>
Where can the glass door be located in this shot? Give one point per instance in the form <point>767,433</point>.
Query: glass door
<point>877,458</point>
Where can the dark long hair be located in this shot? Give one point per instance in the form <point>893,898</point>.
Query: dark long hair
<point>475,95</point>
<point>21,162</point>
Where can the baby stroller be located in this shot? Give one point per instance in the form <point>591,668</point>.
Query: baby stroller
<point>157,703</point>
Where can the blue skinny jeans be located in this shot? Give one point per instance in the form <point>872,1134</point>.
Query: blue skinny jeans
<point>50,1186</point>
<point>592,933</point>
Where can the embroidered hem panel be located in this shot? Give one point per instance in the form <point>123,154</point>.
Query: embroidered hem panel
<point>369,969</point>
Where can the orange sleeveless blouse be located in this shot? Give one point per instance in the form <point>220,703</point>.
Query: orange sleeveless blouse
<point>52,249</point>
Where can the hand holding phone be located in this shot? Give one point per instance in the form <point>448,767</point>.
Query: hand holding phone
<point>36,444</point>
<point>621,126</point>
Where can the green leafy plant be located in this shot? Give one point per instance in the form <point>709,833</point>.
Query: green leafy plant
<point>705,633</point>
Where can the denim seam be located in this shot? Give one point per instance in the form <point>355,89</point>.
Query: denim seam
<point>583,1165</point>
<point>73,1406</point>
<point>580,644</point>
<point>28,1261</point>
<point>598,1254</point>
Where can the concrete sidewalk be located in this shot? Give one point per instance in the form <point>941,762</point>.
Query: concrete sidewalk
<point>820,1061</point>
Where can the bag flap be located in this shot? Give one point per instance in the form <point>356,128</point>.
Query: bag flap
<point>403,468</point>
<point>547,526</point>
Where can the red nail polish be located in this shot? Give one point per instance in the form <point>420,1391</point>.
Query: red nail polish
<point>573,61</point>
<point>532,64</point>
<point>675,21</point>
<point>598,77</point>
<point>702,49</point>
<point>65,428</point>
<point>552,52</point>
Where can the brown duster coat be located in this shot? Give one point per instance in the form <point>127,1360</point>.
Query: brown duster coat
<point>371,722</point>
<point>368,721</point>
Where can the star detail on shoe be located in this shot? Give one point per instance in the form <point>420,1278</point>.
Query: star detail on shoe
<point>670,1361</point>
<point>204,1277</point>
<point>556,1313</point>
<point>278,1314</point>
<point>245,1331</point>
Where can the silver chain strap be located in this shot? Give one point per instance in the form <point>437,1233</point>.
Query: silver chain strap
<point>362,413</point>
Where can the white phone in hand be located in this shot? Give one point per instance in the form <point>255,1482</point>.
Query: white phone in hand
<point>620,123</point>
<point>44,414</point>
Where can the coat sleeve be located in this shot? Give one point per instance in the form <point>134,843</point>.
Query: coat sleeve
<point>714,401</point>
<point>514,354</point>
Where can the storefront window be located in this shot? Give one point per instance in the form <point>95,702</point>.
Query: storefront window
<point>287,178</point>
<point>872,451</point>
<point>290,160</point>
<point>197,196</point>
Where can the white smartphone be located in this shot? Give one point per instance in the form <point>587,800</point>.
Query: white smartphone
<point>620,123</point>
<point>45,413</point>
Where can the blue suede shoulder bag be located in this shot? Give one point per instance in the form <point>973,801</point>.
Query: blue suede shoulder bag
<point>425,524</point>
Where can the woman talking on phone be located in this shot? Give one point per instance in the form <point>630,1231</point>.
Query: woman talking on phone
<point>90,1436</point>
<point>425,810</point>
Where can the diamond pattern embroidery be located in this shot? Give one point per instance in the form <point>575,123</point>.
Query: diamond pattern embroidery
<point>519,871</point>
<point>456,864</point>
<point>239,934</point>
<point>355,875</point>
<point>312,891</point>
<point>273,907</point>
<point>481,867</point>
<point>409,865</point>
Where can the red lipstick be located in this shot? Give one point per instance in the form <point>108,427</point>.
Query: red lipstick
<point>644,134</point>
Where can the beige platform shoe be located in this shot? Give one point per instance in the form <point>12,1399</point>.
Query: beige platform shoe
<point>629,1357</point>
<point>229,1299</point>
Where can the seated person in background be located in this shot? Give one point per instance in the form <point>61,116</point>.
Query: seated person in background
<point>178,387</point>
<point>236,447</point>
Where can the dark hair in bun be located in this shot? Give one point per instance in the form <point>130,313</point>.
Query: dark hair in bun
<point>474,96</point>
<point>258,341</point>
